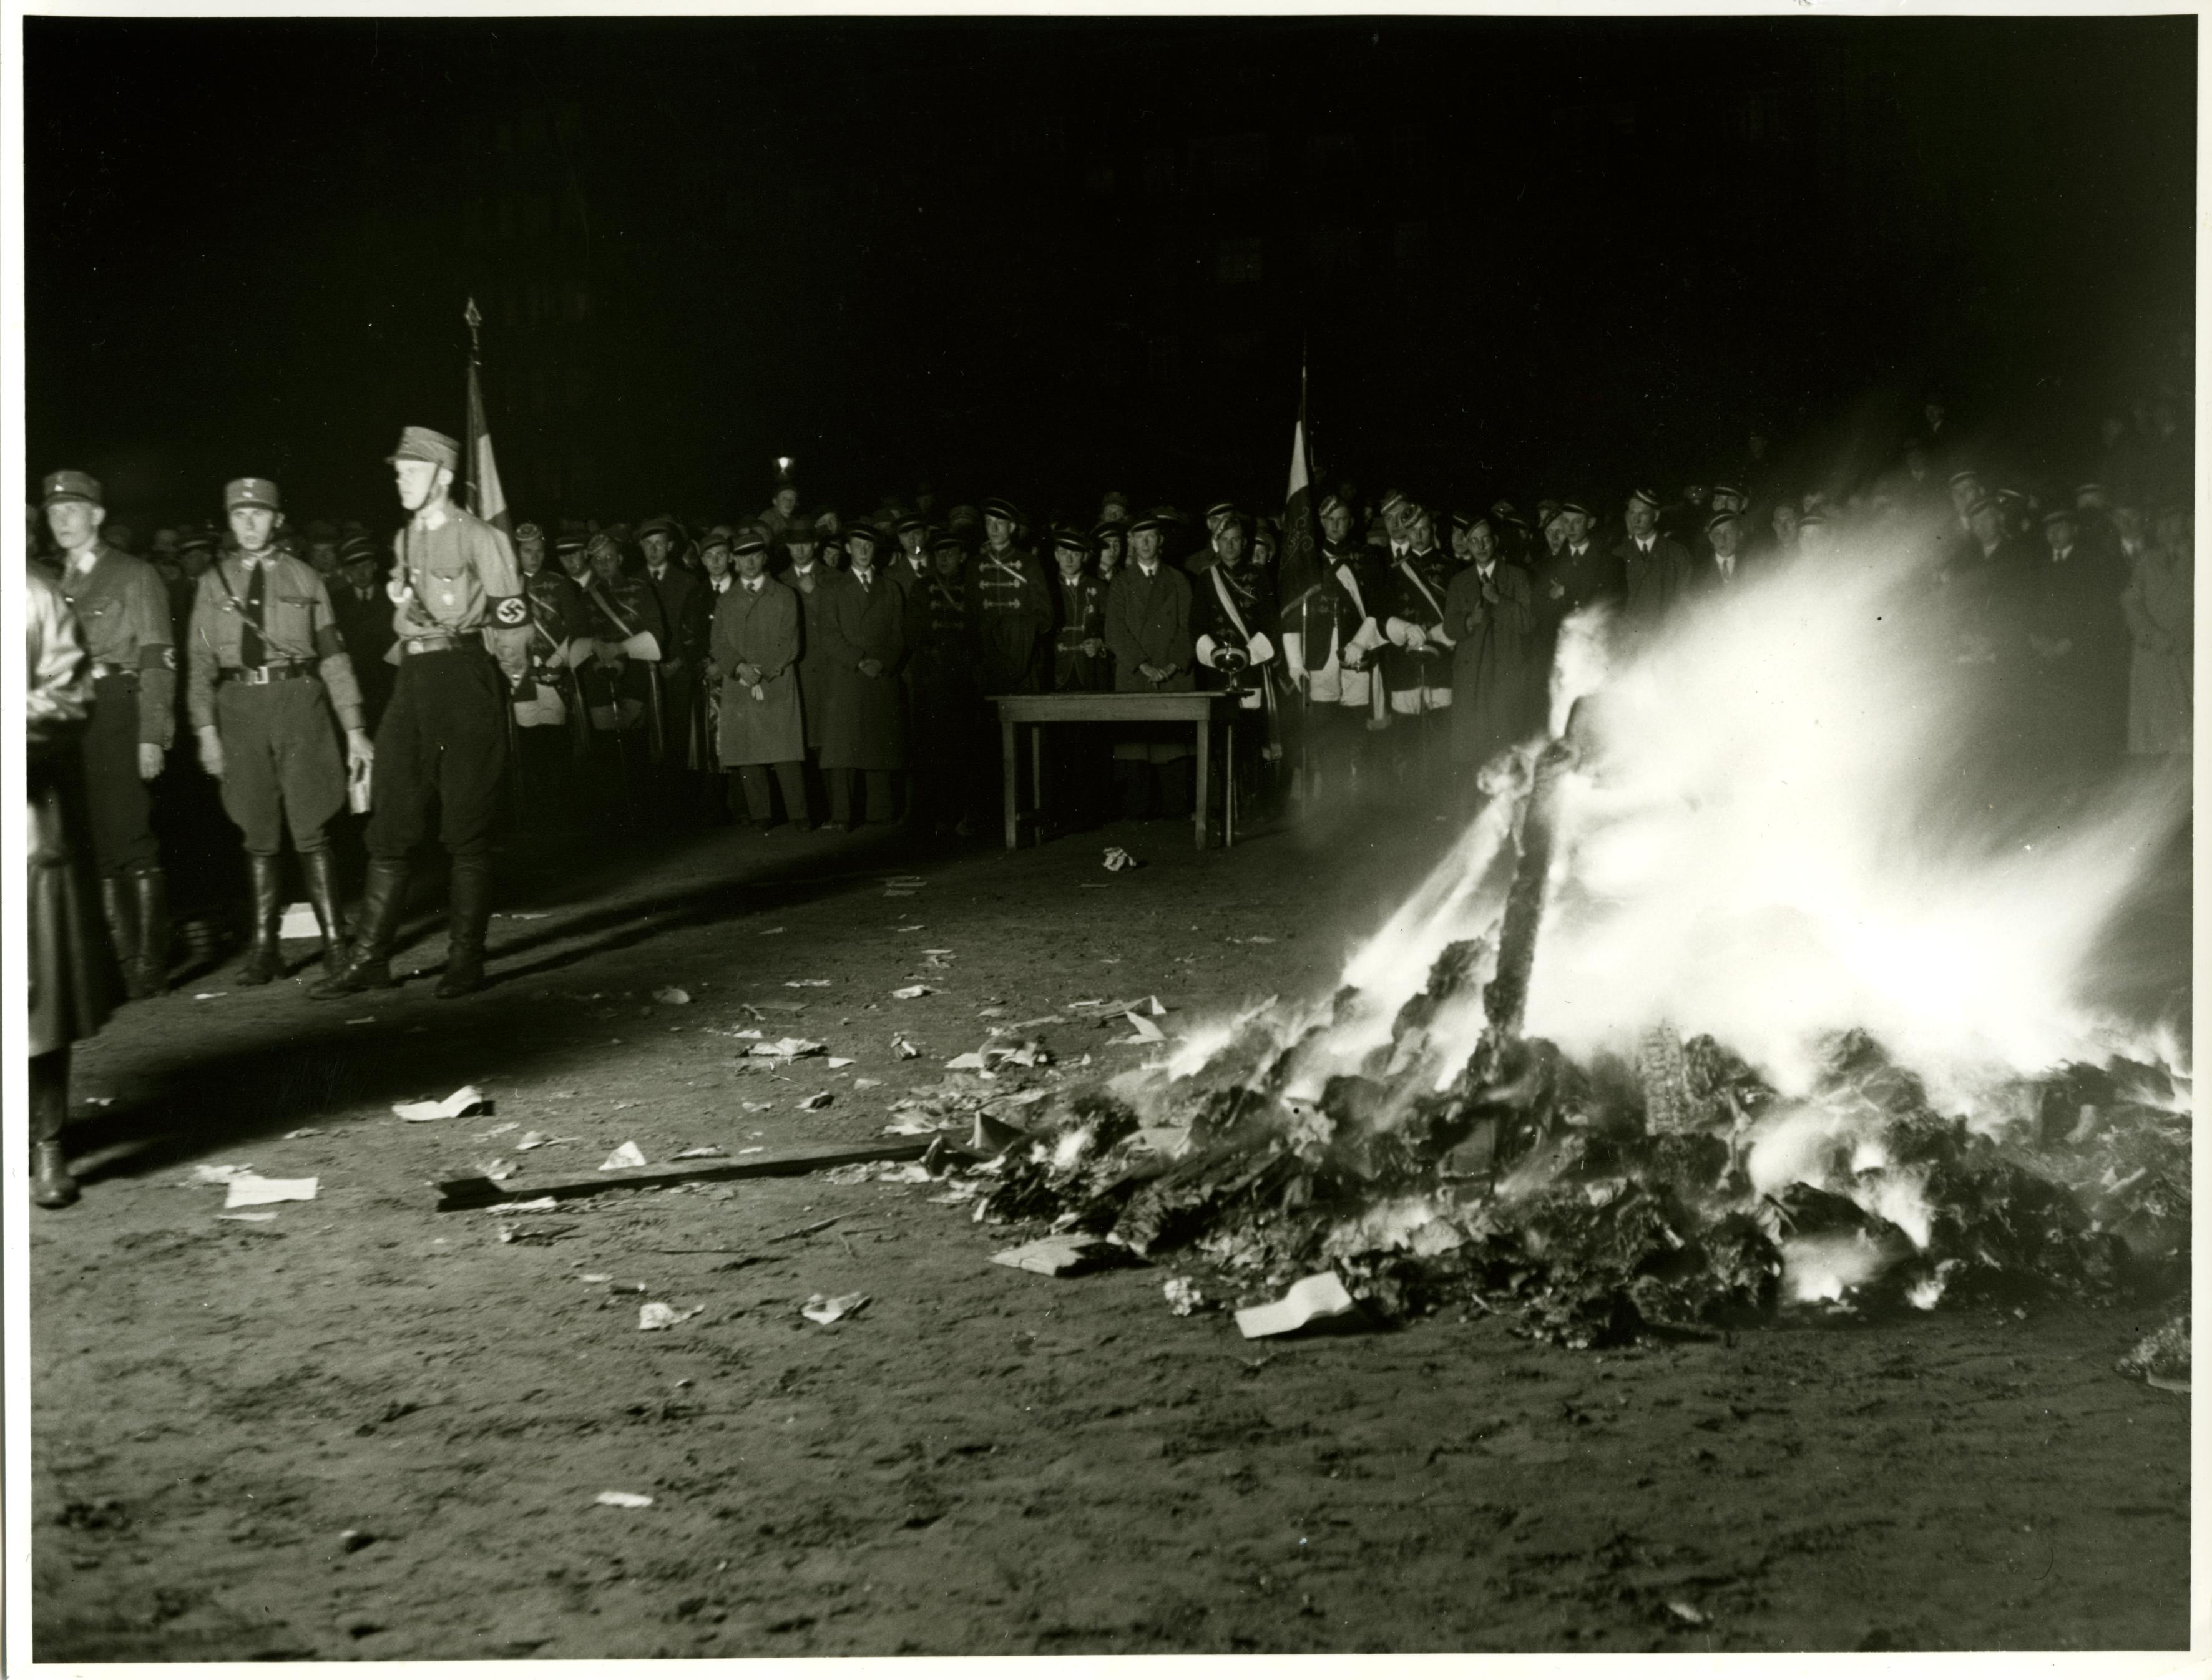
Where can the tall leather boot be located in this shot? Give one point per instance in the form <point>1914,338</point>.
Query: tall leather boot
<point>368,966</point>
<point>117,900</point>
<point>321,870</point>
<point>265,960</point>
<point>468,909</point>
<point>51,1185</point>
<point>150,888</point>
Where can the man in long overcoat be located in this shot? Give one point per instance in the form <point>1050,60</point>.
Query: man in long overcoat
<point>1490,612</point>
<point>864,738</point>
<point>753,648</point>
<point>1148,607</point>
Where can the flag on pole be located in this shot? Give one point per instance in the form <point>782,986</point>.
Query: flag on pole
<point>1302,568</point>
<point>485,499</point>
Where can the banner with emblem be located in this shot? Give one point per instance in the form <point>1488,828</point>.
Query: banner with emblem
<point>485,499</point>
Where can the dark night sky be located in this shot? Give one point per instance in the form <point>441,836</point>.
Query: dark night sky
<point>1040,258</point>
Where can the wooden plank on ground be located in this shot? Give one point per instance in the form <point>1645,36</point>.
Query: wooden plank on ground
<point>457,1194</point>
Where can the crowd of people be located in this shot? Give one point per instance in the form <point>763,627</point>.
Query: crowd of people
<point>807,667</point>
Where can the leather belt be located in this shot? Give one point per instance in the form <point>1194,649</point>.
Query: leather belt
<point>432,644</point>
<point>280,670</point>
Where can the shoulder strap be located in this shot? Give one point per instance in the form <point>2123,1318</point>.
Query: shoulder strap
<point>1228,605</point>
<point>1407,567</point>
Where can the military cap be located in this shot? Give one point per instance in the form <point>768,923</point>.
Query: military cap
<point>1220,514</point>
<point>1068,537</point>
<point>962,514</point>
<point>2005,494</point>
<point>1725,517</point>
<point>1817,518</point>
<point>998,507</point>
<point>568,543</point>
<point>529,532</point>
<point>948,539</point>
<point>250,493</point>
<point>198,536</point>
<point>420,443</point>
<point>1331,502</point>
<point>912,522</point>
<point>867,534</point>
<point>1393,500</point>
<point>662,524</point>
<point>355,549</point>
<point>1515,520</point>
<point>1109,531</point>
<point>2092,488</point>
<point>2061,514</point>
<point>1151,522</point>
<point>69,487</point>
<point>1264,535</point>
<point>749,542</point>
<point>1504,509</point>
<point>1735,490</point>
<point>1963,475</point>
<point>1575,507</point>
<point>1649,500</point>
<point>717,538</point>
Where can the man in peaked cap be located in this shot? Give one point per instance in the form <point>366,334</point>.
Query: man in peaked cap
<point>268,666</point>
<point>944,697</point>
<point>1655,569</point>
<point>685,609</point>
<point>754,647</point>
<point>123,612</point>
<point>551,726</point>
<point>1014,603</point>
<point>461,622</point>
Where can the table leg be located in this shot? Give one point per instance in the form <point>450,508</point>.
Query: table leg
<point>1036,778</point>
<point>1012,763</point>
<point>1229,783</point>
<point>1205,774</point>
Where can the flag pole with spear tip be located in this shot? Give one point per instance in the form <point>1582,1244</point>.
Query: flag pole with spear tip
<point>483,496</point>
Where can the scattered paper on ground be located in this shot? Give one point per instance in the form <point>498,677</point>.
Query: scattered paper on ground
<point>704,1152</point>
<point>672,994</point>
<point>628,1501</point>
<point>906,1051</point>
<point>246,1218</point>
<point>299,923</point>
<point>1309,1301</point>
<point>828,1309</point>
<point>306,1131</point>
<point>628,1156</point>
<point>786,1047</point>
<point>466,1100</point>
<point>1052,1257</point>
<point>866,1084</point>
<point>1145,1032</point>
<point>841,1061</point>
<point>659,1315</point>
<point>910,1124</point>
<point>250,1190</point>
<point>535,1205</point>
<point>1118,859</point>
<point>819,1100</point>
<point>914,991</point>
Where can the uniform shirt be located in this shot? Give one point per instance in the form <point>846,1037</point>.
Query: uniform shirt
<point>557,618</point>
<point>123,613</point>
<point>297,623</point>
<point>465,581</point>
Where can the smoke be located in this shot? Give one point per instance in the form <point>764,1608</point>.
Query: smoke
<point>1786,823</point>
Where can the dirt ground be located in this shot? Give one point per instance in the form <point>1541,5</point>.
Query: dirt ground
<point>983,1460</point>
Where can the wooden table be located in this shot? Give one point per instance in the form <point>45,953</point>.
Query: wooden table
<point>1199,710</point>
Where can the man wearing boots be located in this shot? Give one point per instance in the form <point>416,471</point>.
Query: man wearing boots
<point>123,614</point>
<point>459,608</point>
<point>268,666</point>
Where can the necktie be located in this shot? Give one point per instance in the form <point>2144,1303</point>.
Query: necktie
<point>250,650</point>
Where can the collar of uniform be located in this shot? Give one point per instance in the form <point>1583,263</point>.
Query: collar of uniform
<point>85,559</point>
<point>432,518</point>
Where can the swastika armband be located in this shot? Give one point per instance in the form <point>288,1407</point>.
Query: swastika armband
<point>510,611</point>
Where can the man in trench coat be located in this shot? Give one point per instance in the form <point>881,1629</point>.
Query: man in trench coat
<point>864,627</point>
<point>754,650</point>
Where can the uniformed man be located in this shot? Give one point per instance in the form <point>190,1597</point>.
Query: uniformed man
<point>1329,636</point>
<point>461,621</point>
<point>864,738</point>
<point>754,651</point>
<point>621,617</point>
<point>1016,606</point>
<point>1148,631</point>
<point>268,667</point>
<point>1232,621</point>
<point>913,533</point>
<point>1417,662</point>
<point>776,518</point>
<point>551,723</point>
<point>123,612</point>
<point>1107,540</point>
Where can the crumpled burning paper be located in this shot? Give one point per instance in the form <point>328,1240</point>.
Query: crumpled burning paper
<point>465,1102</point>
<point>659,1315</point>
<point>828,1309</point>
